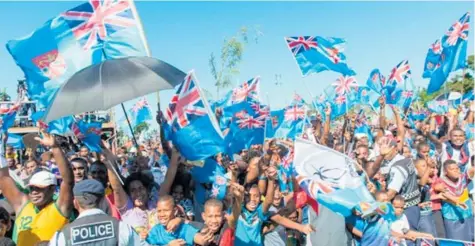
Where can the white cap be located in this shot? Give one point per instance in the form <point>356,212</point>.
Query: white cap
<point>42,179</point>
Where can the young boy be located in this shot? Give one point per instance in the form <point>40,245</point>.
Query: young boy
<point>222,227</point>
<point>457,209</point>
<point>249,224</point>
<point>5,225</point>
<point>401,228</point>
<point>184,234</point>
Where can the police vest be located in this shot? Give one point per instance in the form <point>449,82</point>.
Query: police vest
<point>97,230</point>
<point>410,188</point>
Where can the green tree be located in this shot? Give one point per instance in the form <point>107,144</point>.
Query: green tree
<point>4,96</point>
<point>138,129</point>
<point>460,83</point>
<point>224,68</point>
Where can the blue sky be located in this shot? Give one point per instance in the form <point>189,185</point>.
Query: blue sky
<point>378,34</point>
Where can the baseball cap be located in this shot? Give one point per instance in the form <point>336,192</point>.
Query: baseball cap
<point>88,186</point>
<point>42,179</point>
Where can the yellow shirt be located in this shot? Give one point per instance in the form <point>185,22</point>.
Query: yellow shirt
<point>33,226</point>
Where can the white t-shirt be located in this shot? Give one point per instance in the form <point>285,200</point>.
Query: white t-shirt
<point>399,226</point>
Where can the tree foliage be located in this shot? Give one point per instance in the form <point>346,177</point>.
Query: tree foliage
<point>226,66</point>
<point>459,83</point>
<point>4,96</point>
<point>138,129</point>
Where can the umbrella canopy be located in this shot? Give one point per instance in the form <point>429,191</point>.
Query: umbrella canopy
<point>104,85</point>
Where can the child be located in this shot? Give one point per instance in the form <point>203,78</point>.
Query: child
<point>186,204</point>
<point>457,208</point>
<point>5,225</point>
<point>253,215</point>
<point>184,234</point>
<point>400,227</point>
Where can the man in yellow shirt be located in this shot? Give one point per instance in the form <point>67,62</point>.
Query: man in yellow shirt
<point>38,215</point>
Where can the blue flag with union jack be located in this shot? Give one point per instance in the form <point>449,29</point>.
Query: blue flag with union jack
<point>89,134</point>
<point>273,122</point>
<point>240,97</point>
<point>342,95</point>
<point>192,125</point>
<point>290,121</point>
<point>87,34</point>
<point>245,130</point>
<point>453,54</point>
<point>399,89</point>
<point>432,61</point>
<point>316,54</point>
<point>140,112</point>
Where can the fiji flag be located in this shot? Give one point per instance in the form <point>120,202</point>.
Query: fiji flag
<point>397,78</point>
<point>293,119</point>
<point>193,127</point>
<point>7,120</point>
<point>141,111</point>
<point>453,54</point>
<point>245,130</point>
<point>240,97</point>
<point>439,107</point>
<point>363,95</point>
<point>343,93</point>
<point>273,122</point>
<point>432,59</point>
<point>399,89</point>
<point>376,81</point>
<point>87,34</point>
<point>60,126</point>
<point>330,178</point>
<point>89,134</point>
<point>315,54</point>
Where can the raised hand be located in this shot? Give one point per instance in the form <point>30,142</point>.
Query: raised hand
<point>238,191</point>
<point>271,173</point>
<point>385,146</point>
<point>47,140</point>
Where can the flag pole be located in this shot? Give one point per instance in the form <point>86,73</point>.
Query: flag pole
<point>142,34</point>
<point>130,127</point>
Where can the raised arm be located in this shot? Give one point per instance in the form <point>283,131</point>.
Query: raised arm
<point>401,131</point>
<point>171,173</point>
<point>326,127</point>
<point>238,196</point>
<point>120,196</point>
<point>9,189</point>
<point>65,199</point>
<point>382,117</point>
<point>271,174</point>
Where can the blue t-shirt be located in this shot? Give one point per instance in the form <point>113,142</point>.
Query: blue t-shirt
<point>358,223</point>
<point>159,236</point>
<point>249,225</point>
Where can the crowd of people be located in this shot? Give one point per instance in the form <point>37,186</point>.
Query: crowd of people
<point>153,196</point>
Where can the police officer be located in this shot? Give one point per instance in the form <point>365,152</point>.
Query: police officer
<point>93,226</point>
